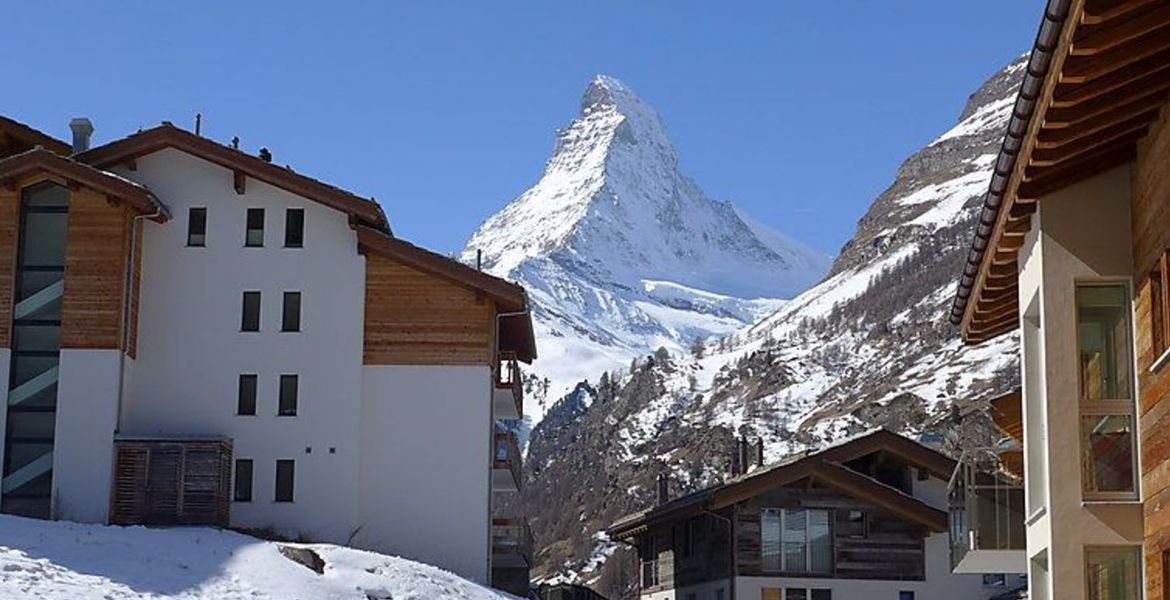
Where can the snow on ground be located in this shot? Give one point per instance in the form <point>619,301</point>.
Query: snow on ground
<point>68,561</point>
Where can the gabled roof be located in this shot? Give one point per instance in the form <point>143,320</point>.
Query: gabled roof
<point>1098,77</point>
<point>516,332</point>
<point>825,466</point>
<point>28,137</point>
<point>40,160</point>
<point>361,210</point>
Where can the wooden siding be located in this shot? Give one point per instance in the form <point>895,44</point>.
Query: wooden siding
<point>171,483</point>
<point>95,272</point>
<point>9,225</point>
<point>1151,236</point>
<point>416,318</point>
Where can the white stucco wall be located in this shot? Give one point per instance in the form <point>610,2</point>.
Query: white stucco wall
<point>83,452</point>
<point>191,351</point>
<point>1081,233</point>
<point>425,474</point>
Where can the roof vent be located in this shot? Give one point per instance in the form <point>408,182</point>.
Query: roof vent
<point>663,488</point>
<point>265,155</point>
<point>82,129</point>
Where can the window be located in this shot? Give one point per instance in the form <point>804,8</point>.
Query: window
<point>689,532</point>
<point>290,320</point>
<point>254,236</point>
<point>197,227</point>
<point>1108,460</point>
<point>796,540</point>
<point>821,595</point>
<point>994,580</point>
<point>719,594</point>
<point>1160,305</point>
<point>1113,573</point>
<point>285,475</point>
<point>294,228</point>
<point>851,523</point>
<point>905,595</point>
<point>795,594</point>
<point>251,313</point>
<point>246,404</point>
<point>288,396</point>
<point>243,484</point>
<point>771,594</point>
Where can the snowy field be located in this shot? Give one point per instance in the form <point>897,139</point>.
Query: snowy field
<point>69,561</point>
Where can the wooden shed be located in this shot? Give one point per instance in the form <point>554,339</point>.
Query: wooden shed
<point>171,481</point>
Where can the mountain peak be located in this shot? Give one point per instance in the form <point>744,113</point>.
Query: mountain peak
<point>607,91</point>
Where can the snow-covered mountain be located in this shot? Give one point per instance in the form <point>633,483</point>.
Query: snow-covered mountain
<point>623,254</point>
<point>869,346</point>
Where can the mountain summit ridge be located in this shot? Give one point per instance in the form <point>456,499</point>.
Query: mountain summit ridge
<point>623,253</point>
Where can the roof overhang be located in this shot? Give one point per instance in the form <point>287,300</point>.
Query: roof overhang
<point>362,210</point>
<point>17,136</point>
<point>513,311</point>
<point>41,161</point>
<point>1097,79</point>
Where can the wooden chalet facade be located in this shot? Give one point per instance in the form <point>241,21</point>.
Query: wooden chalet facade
<point>1073,251</point>
<point>865,518</point>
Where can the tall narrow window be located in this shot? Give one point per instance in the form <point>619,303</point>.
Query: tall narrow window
<point>294,228</point>
<point>795,594</point>
<point>1160,305</point>
<point>288,395</point>
<point>247,395</point>
<point>243,480</point>
<point>291,318</point>
<point>250,321</point>
<point>1113,573</point>
<point>796,540</point>
<point>285,475</point>
<point>197,227</point>
<point>254,236</point>
<point>1108,460</point>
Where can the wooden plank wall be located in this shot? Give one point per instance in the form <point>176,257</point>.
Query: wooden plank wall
<point>1151,224</point>
<point>95,272</point>
<point>416,318</point>
<point>9,226</point>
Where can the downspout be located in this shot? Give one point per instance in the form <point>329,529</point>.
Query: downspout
<point>731,554</point>
<point>127,291</point>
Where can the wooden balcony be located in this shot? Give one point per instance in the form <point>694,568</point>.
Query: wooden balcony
<point>508,392</point>
<point>506,463</point>
<point>512,543</point>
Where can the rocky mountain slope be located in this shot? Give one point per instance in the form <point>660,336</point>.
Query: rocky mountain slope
<point>622,254</point>
<point>868,346</point>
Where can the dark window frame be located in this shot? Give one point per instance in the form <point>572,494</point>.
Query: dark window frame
<point>251,324</point>
<point>288,406</point>
<point>250,227</point>
<point>294,228</point>
<point>288,493</point>
<point>290,322</point>
<point>1160,305</point>
<point>197,239</point>
<point>251,397</point>
<point>243,493</point>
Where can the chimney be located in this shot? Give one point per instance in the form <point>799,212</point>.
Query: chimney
<point>663,488</point>
<point>737,456</point>
<point>82,129</point>
<point>265,155</point>
<point>759,452</point>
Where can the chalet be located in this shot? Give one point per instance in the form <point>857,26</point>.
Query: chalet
<point>195,335</point>
<point>864,519</point>
<point>1071,253</point>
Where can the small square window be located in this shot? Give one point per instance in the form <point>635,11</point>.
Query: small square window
<point>243,484</point>
<point>197,227</point>
<point>254,236</point>
<point>904,595</point>
<point>288,396</point>
<point>294,228</point>
<point>246,405</point>
<point>290,321</point>
<point>285,480</point>
<point>821,595</point>
<point>795,594</point>
<point>250,321</point>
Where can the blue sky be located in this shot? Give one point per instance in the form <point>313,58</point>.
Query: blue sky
<point>798,111</point>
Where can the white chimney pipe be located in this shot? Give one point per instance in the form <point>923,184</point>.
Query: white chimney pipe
<point>82,130</point>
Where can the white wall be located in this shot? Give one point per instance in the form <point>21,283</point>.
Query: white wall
<point>940,583</point>
<point>425,478</point>
<point>83,454</point>
<point>191,351</point>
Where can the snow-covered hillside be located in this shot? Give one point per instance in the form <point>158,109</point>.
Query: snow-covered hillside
<point>44,560</point>
<point>869,346</point>
<point>623,254</point>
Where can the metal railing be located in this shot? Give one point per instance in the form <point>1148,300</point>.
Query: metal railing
<point>507,454</point>
<point>986,506</point>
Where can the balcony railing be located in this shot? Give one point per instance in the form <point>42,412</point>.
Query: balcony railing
<point>506,463</point>
<point>987,527</point>
<point>512,542</point>
<point>508,395</point>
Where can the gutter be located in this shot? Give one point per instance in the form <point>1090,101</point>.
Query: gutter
<point>1043,50</point>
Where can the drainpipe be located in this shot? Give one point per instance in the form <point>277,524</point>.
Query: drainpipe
<point>127,291</point>
<point>731,555</point>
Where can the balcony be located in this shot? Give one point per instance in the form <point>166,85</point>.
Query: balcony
<point>506,463</point>
<point>512,543</point>
<point>986,516</point>
<point>508,391</point>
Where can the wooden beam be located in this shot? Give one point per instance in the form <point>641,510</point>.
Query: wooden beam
<point>1095,39</point>
<point>1050,139</point>
<point>239,181</point>
<point>1100,11</point>
<point>1044,181</point>
<point>1083,69</point>
<point>1123,101</point>
<point>1147,69</point>
<point>1126,134</point>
